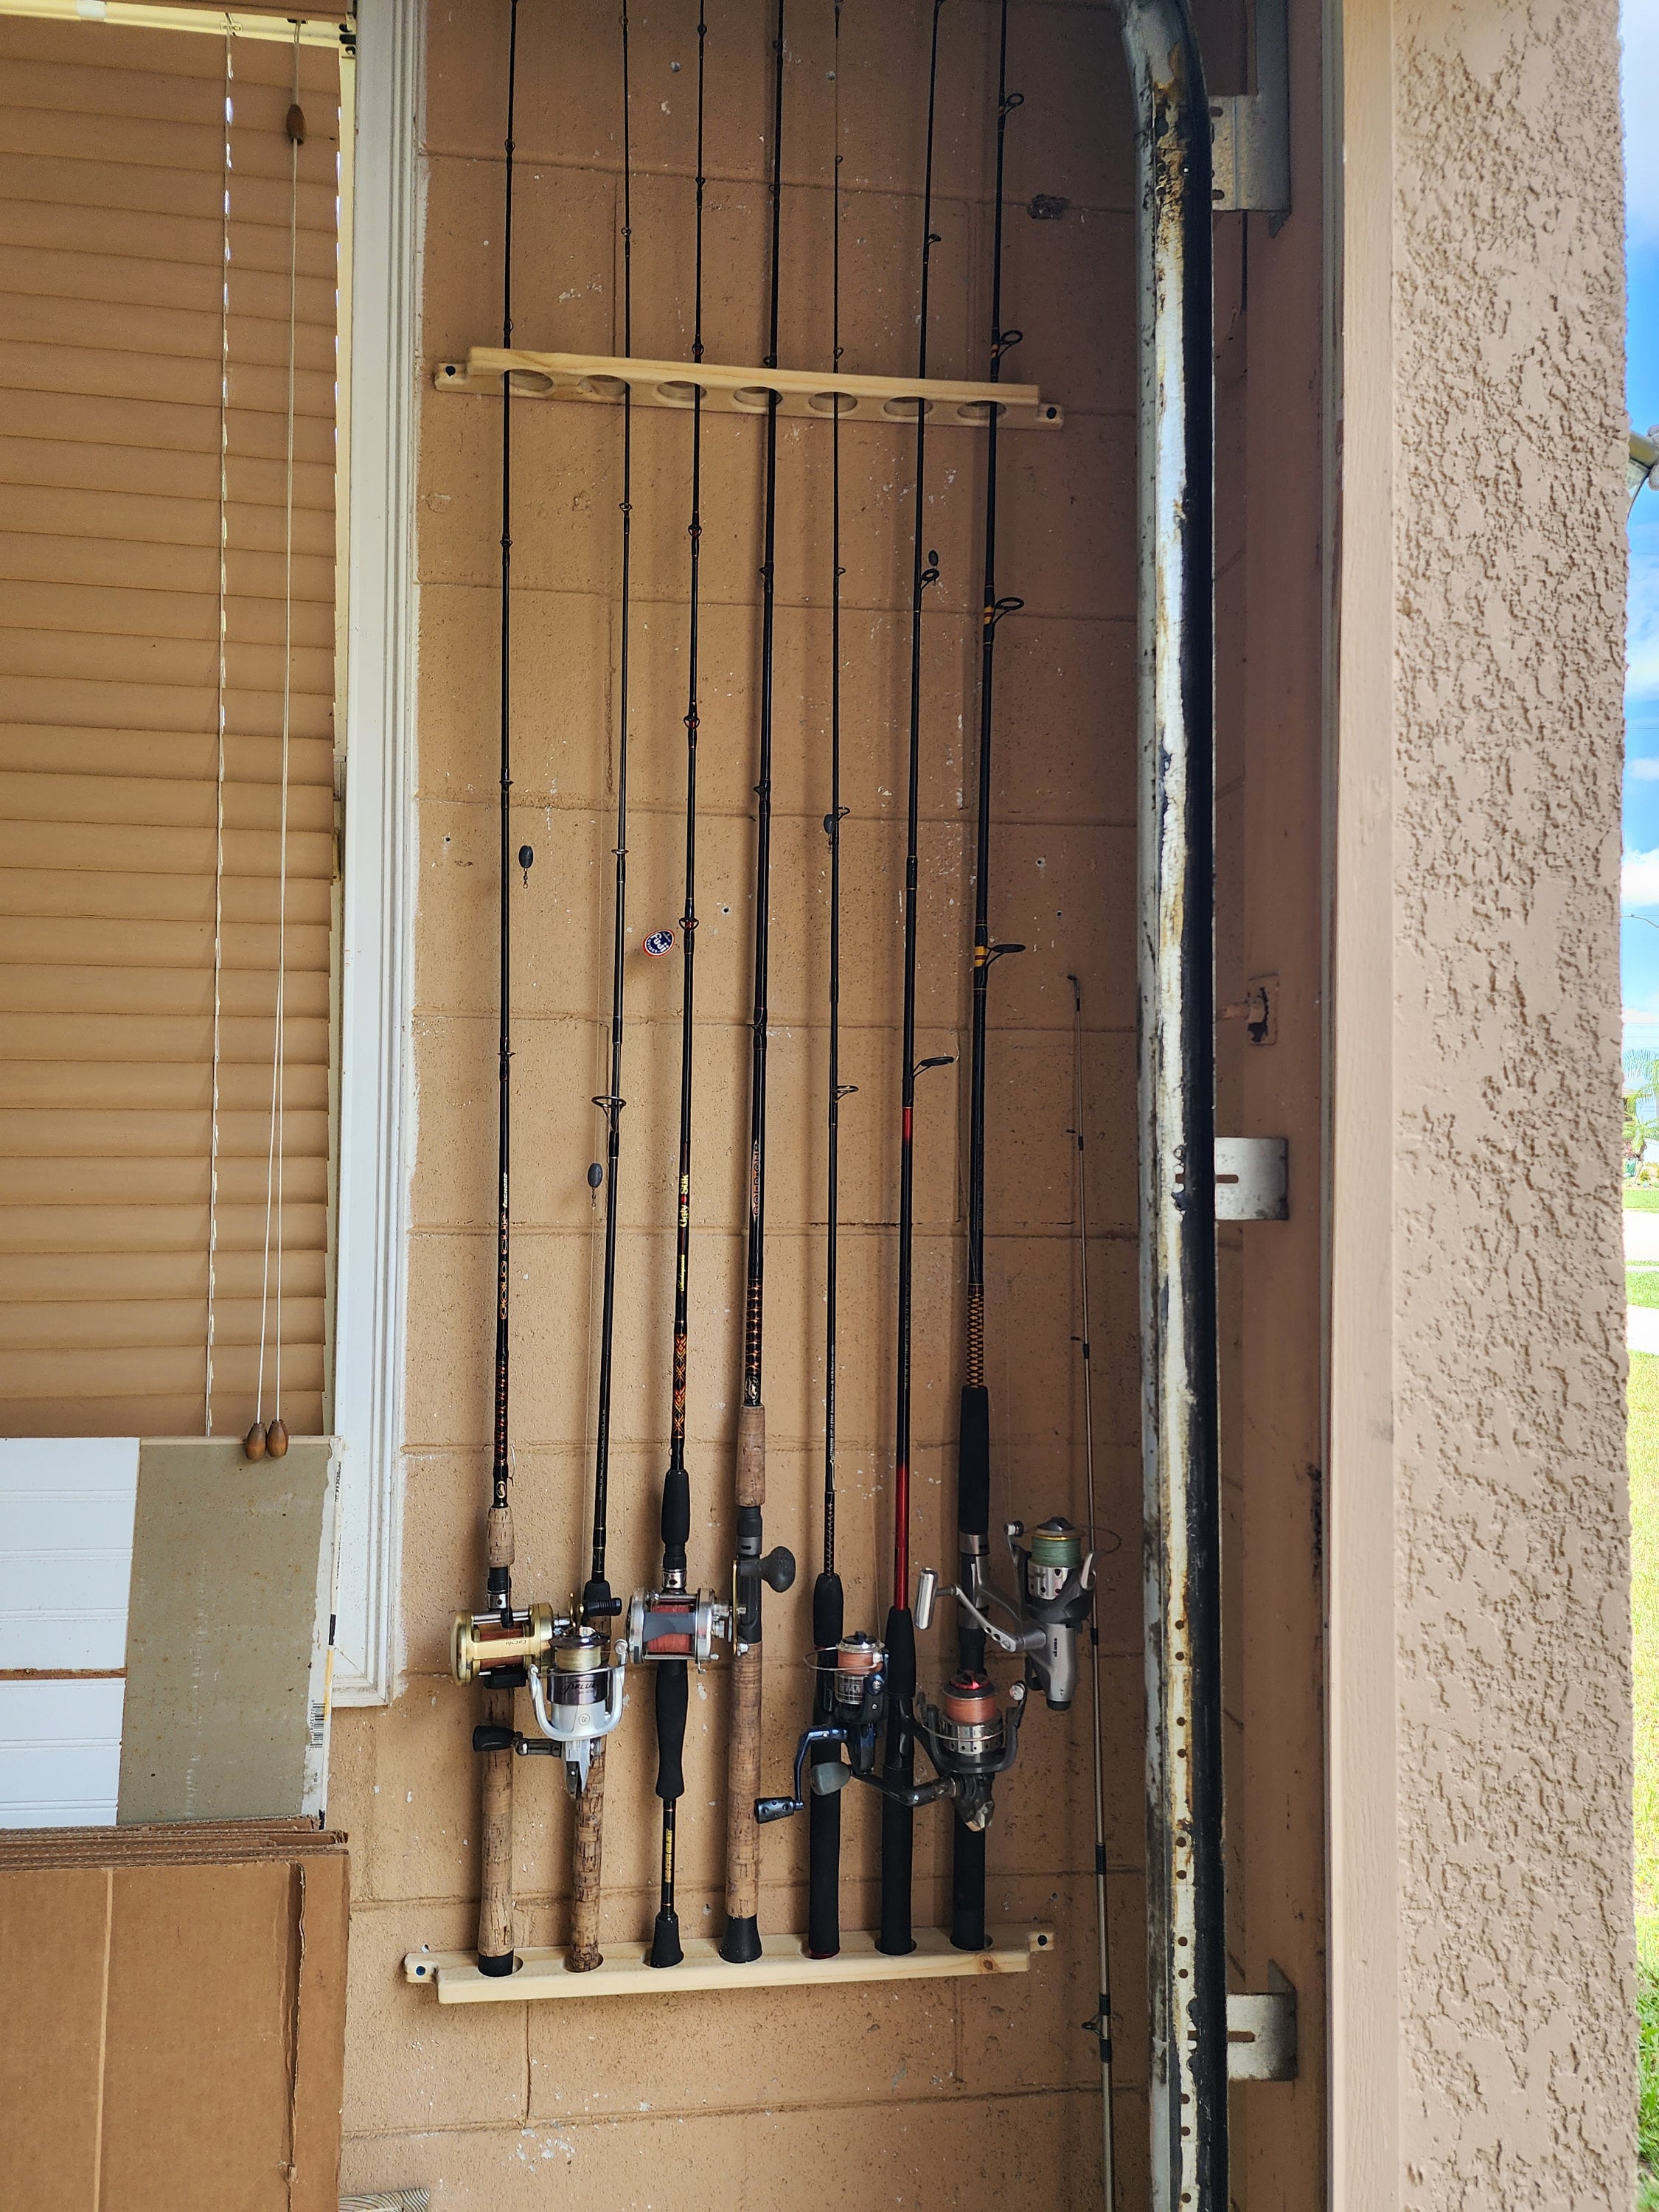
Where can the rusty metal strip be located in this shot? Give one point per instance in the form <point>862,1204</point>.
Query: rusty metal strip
<point>1182,1586</point>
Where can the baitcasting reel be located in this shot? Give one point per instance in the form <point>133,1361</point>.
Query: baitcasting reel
<point>852,1682</point>
<point>1055,1582</point>
<point>970,1739</point>
<point>576,1687</point>
<point>675,1625</point>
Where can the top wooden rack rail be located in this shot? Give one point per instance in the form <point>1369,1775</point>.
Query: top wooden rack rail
<point>601,379</point>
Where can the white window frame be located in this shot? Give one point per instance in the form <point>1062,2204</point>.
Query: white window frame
<point>376,1124</point>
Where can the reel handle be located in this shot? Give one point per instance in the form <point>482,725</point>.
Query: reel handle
<point>487,1737</point>
<point>778,1569</point>
<point>776,1808</point>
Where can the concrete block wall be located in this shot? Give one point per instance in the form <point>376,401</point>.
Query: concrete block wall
<point>941,2094</point>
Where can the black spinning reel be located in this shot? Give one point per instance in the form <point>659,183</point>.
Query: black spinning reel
<point>1055,1581</point>
<point>851,1703</point>
<point>971,1738</point>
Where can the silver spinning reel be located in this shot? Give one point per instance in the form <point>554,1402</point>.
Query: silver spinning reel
<point>1055,1581</point>
<point>575,1685</point>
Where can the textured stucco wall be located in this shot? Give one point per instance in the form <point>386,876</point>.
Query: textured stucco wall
<point>1512,1622</point>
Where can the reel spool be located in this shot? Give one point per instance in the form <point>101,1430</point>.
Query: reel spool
<point>971,1738</point>
<point>675,1625</point>
<point>1057,1582</point>
<point>494,1642</point>
<point>577,1695</point>
<point>852,1691</point>
<point>575,1691</point>
<point>1055,1579</point>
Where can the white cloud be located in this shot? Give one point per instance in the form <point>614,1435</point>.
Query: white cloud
<point>1640,27</point>
<point>1638,880</point>
<point>1644,771</point>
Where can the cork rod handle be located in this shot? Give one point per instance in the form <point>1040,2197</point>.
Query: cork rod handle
<point>584,1953</point>
<point>496,1884</point>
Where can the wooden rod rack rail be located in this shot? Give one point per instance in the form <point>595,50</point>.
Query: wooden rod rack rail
<point>783,1963</point>
<point>601,379</point>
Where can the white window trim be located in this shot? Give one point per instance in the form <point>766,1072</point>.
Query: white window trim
<point>377,861</point>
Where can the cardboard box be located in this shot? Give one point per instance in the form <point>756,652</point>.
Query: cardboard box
<point>173,2033</point>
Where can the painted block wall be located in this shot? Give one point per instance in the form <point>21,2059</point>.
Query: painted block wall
<point>942,2095</point>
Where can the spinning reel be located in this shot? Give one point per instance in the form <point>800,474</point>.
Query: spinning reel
<point>852,1696</point>
<point>575,1688</point>
<point>1055,1582</point>
<point>970,1739</point>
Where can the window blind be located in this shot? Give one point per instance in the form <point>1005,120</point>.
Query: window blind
<point>144,348</point>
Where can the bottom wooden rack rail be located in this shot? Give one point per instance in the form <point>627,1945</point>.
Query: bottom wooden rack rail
<point>783,1960</point>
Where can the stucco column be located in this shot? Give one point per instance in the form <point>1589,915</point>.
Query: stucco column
<point>1483,2035</point>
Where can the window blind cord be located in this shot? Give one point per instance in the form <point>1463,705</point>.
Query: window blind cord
<point>219,739</point>
<point>270,1298</point>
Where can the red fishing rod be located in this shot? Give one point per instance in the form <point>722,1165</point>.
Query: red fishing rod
<point>898,1776</point>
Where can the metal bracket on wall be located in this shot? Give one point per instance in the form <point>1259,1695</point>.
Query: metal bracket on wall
<point>1252,1179</point>
<point>1252,130</point>
<point>1261,2033</point>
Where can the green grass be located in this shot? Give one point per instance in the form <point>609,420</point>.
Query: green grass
<point>1642,1286</point>
<point>1642,1200</point>
<point>1645,1622</point>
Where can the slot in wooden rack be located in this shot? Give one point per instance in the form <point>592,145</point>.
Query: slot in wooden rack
<point>783,1962</point>
<point>600,379</point>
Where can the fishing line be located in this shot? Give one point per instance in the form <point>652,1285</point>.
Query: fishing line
<point>1102,2022</point>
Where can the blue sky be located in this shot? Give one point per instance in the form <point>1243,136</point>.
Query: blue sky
<point>1639,938</point>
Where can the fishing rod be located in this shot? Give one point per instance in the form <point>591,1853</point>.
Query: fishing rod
<point>829,1602</point>
<point>1102,2022</point>
<point>974,1430</point>
<point>673,1625</point>
<point>494,1647</point>
<point>897,1819</point>
<point>741,1945</point>
<point>596,1677</point>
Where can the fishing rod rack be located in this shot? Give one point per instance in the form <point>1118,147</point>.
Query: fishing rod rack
<point>783,1963</point>
<point>599,379</point>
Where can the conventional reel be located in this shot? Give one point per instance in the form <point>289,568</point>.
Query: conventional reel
<point>1055,1582</point>
<point>576,1683</point>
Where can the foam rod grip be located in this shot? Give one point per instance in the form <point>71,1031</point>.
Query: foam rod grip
<point>670,1729</point>
<point>974,1463</point>
<point>495,1873</point>
<point>966,1888</point>
<point>741,1943</point>
<point>823,1813</point>
<point>586,1860</point>
<point>898,1822</point>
